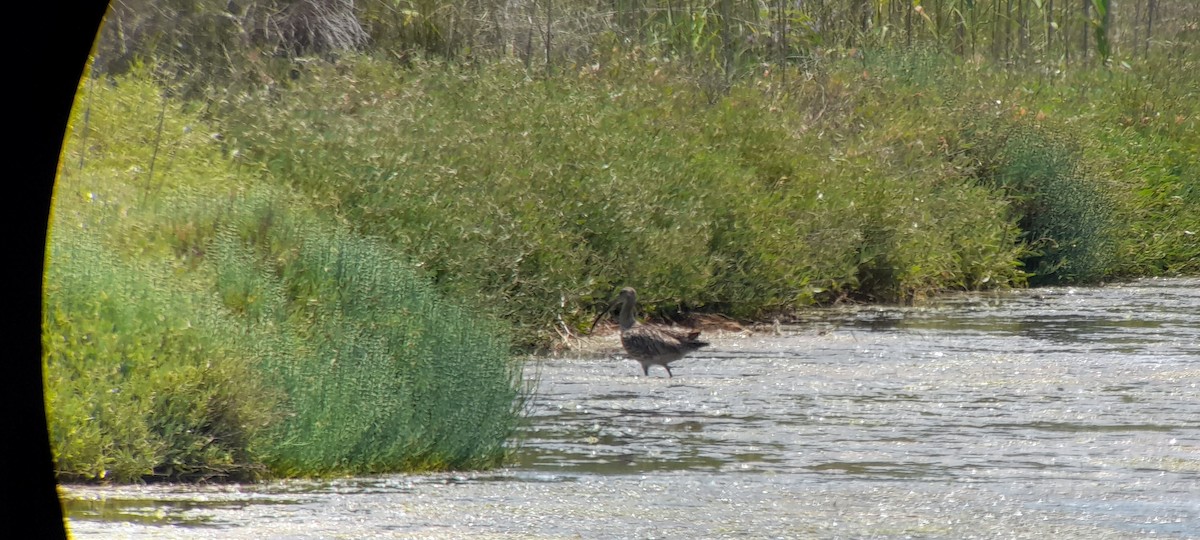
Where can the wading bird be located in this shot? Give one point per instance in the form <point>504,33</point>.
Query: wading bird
<point>650,345</point>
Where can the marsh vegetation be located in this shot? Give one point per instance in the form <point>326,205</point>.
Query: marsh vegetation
<point>292,242</point>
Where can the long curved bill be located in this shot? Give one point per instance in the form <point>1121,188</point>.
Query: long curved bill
<point>602,314</point>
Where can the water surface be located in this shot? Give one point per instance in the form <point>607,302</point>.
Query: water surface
<point>1050,413</point>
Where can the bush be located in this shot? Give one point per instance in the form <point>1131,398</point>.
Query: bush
<point>539,198</point>
<point>1142,142</point>
<point>197,328</point>
<point>287,347</point>
<point>380,373</point>
<point>1066,219</point>
<point>1162,177</point>
<point>146,377</point>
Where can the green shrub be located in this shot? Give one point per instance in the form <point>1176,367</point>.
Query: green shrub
<point>539,198</point>
<point>282,345</point>
<point>380,373</point>
<point>1142,141</point>
<point>1066,219</point>
<point>199,328</point>
<point>146,377</point>
<point>1162,176</point>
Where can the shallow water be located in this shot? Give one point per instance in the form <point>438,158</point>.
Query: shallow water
<point>1050,413</point>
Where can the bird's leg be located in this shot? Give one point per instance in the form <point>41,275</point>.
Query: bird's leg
<point>668,368</point>
<point>646,369</point>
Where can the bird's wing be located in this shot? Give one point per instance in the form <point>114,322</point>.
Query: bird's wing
<point>681,334</point>
<point>650,341</point>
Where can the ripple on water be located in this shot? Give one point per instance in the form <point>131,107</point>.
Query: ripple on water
<point>1054,413</point>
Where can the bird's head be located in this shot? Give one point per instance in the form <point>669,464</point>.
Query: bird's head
<point>626,299</point>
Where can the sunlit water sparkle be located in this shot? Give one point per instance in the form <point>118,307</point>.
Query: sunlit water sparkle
<point>1049,413</point>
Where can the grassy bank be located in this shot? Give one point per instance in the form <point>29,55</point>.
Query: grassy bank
<point>887,177</point>
<point>538,198</point>
<point>326,272</point>
<point>201,325</point>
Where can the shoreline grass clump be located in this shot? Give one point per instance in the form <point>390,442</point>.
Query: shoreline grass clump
<point>146,377</point>
<point>199,328</point>
<point>380,374</point>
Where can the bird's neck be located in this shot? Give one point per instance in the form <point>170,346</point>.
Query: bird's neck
<point>625,318</point>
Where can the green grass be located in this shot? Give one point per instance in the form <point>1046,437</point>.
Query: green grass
<point>539,197</point>
<point>380,373</point>
<point>887,177</point>
<point>1067,219</point>
<point>199,327</point>
<point>327,274</point>
<point>146,377</point>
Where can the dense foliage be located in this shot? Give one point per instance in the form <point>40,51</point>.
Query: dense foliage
<point>885,178</point>
<point>302,242</point>
<point>199,327</point>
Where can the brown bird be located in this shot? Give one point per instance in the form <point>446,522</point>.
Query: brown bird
<point>650,345</point>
